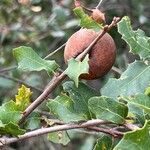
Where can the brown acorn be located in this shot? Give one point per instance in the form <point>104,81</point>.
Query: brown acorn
<point>24,2</point>
<point>101,57</point>
<point>98,16</point>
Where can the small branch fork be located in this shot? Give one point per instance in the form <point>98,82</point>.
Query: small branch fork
<point>90,125</point>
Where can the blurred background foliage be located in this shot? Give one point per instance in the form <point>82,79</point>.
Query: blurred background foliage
<point>45,25</point>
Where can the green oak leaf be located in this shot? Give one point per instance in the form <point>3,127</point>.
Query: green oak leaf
<point>86,21</point>
<point>80,96</point>
<point>142,101</point>
<point>133,81</point>
<point>60,137</point>
<point>10,128</point>
<point>63,107</point>
<point>9,113</point>
<point>137,40</point>
<point>104,143</point>
<point>88,143</point>
<point>29,60</point>
<point>76,68</point>
<point>136,140</point>
<point>33,121</point>
<point>9,118</point>
<point>74,107</point>
<point>136,113</point>
<point>108,109</point>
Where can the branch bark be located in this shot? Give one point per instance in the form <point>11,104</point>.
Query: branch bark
<point>87,125</point>
<point>131,126</point>
<point>112,132</point>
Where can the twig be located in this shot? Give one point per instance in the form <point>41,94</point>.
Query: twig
<point>111,132</point>
<point>131,126</point>
<point>21,82</point>
<point>7,69</point>
<point>104,31</point>
<point>58,79</point>
<point>100,2</point>
<point>55,51</point>
<point>44,113</point>
<point>77,3</point>
<point>87,9</point>
<point>88,124</point>
<point>116,70</point>
<point>15,79</point>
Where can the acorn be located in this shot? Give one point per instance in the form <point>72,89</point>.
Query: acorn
<point>24,2</point>
<point>101,57</point>
<point>98,16</point>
